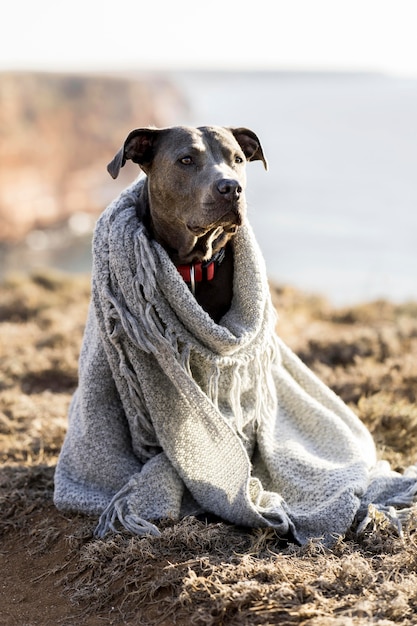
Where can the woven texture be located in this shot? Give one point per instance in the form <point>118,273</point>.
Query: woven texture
<point>176,415</point>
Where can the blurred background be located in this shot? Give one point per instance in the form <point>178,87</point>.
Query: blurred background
<point>329,86</point>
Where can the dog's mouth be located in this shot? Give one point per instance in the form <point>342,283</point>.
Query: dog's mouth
<point>206,242</point>
<point>205,239</point>
<point>229,223</point>
<point>201,231</point>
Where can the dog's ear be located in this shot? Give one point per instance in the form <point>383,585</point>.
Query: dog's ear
<point>250,145</point>
<point>139,147</point>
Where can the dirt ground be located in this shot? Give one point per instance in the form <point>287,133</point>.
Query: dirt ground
<point>53,572</point>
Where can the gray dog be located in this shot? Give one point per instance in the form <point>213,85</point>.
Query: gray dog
<point>176,414</point>
<point>194,200</point>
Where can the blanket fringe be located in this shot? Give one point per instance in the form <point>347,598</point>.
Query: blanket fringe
<point>118,511</point>
<point>145,434</point>
<point>145,264</point>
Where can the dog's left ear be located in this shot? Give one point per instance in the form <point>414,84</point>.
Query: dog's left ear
<point>139,147</point>
<point>250,145</point>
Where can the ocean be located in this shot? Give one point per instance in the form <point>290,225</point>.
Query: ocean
<point>336,213</point>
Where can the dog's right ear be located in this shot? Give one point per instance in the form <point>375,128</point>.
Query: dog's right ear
<point>139,147</point>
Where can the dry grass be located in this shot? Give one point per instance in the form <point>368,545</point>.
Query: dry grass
<point>197,572</point>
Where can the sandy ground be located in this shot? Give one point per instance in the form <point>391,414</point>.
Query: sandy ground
<point>54,572</point>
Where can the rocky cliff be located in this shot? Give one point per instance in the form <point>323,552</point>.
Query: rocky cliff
<point>58,132</point>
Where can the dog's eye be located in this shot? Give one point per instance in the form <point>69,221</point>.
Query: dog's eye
<point>238,159</point>
<point>187,160</point>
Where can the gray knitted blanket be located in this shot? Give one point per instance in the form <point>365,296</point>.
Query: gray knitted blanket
<point>176,415</point>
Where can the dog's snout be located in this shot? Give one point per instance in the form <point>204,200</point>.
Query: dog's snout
<point>229,188</point>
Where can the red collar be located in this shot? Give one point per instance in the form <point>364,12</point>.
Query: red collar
<point>198,271</point>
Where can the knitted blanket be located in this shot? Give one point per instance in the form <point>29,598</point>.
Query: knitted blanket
<point>177,415</point>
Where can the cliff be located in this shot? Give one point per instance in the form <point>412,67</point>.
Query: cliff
<point>58,132</point>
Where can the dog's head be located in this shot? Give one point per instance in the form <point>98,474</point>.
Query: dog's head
<point>196,183</point>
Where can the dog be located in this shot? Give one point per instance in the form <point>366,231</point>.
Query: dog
<point>176,414</point>
<point>194,200</point>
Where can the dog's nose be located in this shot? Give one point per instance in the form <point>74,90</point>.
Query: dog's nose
<point>229,188</point>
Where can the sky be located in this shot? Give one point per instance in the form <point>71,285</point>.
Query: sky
<point>89,35</point>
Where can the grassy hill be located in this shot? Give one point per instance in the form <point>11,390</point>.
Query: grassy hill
<point>54,572</point>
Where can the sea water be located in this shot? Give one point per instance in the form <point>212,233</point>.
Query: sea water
<point>337,211</point>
